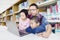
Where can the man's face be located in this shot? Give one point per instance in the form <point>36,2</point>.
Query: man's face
<point>33,10</point>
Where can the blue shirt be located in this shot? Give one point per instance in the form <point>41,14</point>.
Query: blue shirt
<point>38,29</point>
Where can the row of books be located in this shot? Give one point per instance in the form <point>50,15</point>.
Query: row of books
<point>56,25</point>
<point>23,5</point>
<point>55,8</point>
<point>53,12</point>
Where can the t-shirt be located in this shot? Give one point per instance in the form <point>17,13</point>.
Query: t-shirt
<point>23,24</point>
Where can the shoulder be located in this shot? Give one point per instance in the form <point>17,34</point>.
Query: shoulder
<point>28,19</point>
<point>40,16</point>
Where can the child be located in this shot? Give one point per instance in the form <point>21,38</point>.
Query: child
<point>23,21</point>
<point>35,26</point>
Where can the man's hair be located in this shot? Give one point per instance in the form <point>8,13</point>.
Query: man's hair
<point>35,18</point>
<point>33,4</point>
<point>25,11</point>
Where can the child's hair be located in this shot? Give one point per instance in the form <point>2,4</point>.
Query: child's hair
<point>33,4</point>
<point>25,11</point>
<point>35,18</point>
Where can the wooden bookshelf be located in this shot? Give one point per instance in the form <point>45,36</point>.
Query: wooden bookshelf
<point>3,23</point>
<point>16,10</point>
<point>32,1</point>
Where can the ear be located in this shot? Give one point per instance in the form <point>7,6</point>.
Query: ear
<point>38,10</point>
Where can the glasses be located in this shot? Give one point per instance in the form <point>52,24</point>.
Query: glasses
<point>32,9</point>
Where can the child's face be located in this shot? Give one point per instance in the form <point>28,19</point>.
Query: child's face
<point>33,24</point>
<point>22,15</point>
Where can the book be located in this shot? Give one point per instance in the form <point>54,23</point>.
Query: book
<point>48,10</point>
<point>58,4</point>
<point>23,5</point>
<point>11,11</point>
<point>57,25</point>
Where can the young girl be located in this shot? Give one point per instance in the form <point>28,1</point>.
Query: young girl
<point>23,21</point>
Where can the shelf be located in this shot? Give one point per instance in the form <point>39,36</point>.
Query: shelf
<point>2,21</point>
<point>46,3</point>
<point>16,12</point>
<point>3,16</point>
<point>18,1</point>
<point>10,14</point>
<point>57,30</point>
<point>54,21</point>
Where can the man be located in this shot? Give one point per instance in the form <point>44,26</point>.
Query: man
<point>34,11</point>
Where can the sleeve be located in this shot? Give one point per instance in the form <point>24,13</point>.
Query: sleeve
<point>28,30</point>
<point>44,21</point>
<point>28,23</point>
<point>40,29</point>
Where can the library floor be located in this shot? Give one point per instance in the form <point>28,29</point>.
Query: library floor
<point>6,35</point>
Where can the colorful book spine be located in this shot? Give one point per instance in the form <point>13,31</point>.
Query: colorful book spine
<point>58,4</point>
<point>56,8</point>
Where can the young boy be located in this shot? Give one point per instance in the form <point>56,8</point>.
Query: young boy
<point>35,27</point>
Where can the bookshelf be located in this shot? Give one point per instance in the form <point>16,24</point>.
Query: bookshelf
<point>12,13</point>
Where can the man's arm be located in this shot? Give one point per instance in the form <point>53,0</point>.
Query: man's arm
<point>48,31</point>
<point>48,28</point>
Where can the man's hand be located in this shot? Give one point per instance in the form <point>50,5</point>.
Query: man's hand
<point>45,35</point>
